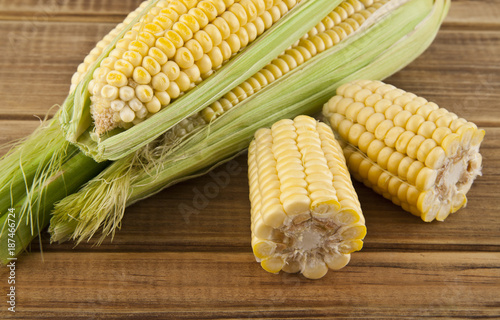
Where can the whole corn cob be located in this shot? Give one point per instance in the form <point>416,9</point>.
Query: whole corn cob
<point>411,151</point>
<point>161,55</point>
<point>305,213</point>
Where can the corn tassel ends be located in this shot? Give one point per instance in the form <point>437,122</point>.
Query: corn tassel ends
<point>305,213</point>
<point>422,157</point>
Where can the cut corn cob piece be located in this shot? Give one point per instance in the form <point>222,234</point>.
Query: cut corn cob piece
<point>305,213</point>
<point>340,23</point>
<point>166,53</point>
<point>414,153</point>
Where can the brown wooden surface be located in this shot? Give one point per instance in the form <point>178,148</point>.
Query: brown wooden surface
<point>165,265</point>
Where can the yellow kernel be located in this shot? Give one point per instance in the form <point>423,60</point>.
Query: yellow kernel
<point>216,57</point>
<point>154,29</point>
<point>116,79</point>
<point>234,43</point>
<point>373,121</point>
<point>392,136</point>
<point>160,82</point>
<point>414,123</point>
<point>154,105</point>
<point>183,82</point>
<point>425,148</point>
<point>193,73</point>
<point>141,76</point>
<point>435,159</point>
<point>401,118</point>
<point>133,57</point>
<point>163,97</point>
<point>166,46</point>
<point>144,93</point>
<point>175,38</point>
<point>403,167</point>
<point>127,115</point>
<point>240,13</point>
<point>138,46</point>
<point>225,50</point>
<point>392,111</point>
<point>195,48</point>
<point>184,58</point>
<point>204,64</point>
<point>200,16</point>
<point>414,145</point>
<point>190,22</point>
<point>127,93</point>
<point>172,70</point>
<point>223,27</point>
<point>182,30</point>
<point>214,34</point>
<point>403,140</point>
<point>158,55</point>
<point>135,104</point>
<point>204,40</point>
<point>232,21</point>
<point>164,22</point>
<point>209,9</point>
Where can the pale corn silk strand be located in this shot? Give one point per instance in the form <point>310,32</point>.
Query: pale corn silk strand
<point>414,153</point>
<point>306,215</point>
<point>150,158</point>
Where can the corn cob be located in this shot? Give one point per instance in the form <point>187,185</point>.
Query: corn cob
<point>305,213</point>
<point>165,54</point>
<point>157,62</point>
<point>303,90</point>
<point>407,149</point>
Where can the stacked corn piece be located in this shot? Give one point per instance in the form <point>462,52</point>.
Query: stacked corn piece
<point>414,153</point>
<point>171,49</point>
<point>305,213</point>
<point>344,20</point>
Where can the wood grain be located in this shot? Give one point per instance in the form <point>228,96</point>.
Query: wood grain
<point>232,285</point>
<point>164,263</point>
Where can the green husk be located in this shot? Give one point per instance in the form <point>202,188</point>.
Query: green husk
<point>118,143</point>
<point>375,53</point>
<point>32,212</point>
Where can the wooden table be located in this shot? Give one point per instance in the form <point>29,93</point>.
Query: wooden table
<point>162,265</point>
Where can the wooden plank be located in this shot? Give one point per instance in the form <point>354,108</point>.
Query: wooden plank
<point>232,285</point>
<point>38,62</point>
<point>37,11</point>
<point>471,14</point>
<point>12,130</point>
<point>459,71</point>
<point>463,13</point>
<point>211,214</point>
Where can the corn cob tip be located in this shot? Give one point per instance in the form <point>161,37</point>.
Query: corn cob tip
<point>305,213</point>
<point>422,157</point>
<point>173,47</point>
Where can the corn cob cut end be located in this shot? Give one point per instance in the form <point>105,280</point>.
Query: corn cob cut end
<point>305,213</point>
<point>408,149</point>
